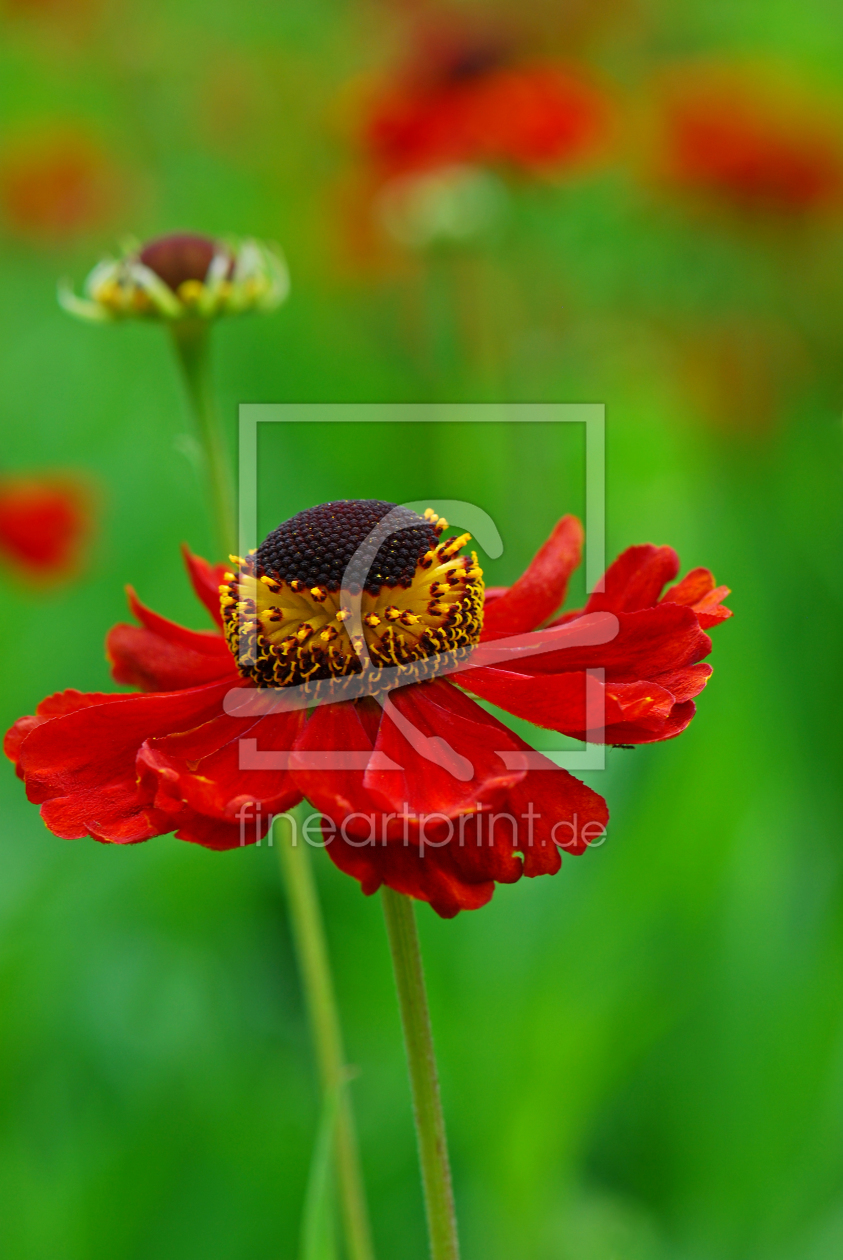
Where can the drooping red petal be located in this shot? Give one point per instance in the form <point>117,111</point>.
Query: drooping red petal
<point>649,642</point>
<point>686,683</point>
<point>554,811</point>
<point>207,769</point>
<point>710,610</point>
<point>540,590</point>
<point>53,706</point>
<point>333,783</point>
<point>556,701</point>
<point>448,750</point>
<point>485,846</point>
<point>140,658</point>
<point>409,870</point>
<point>629,733</point>
<point>206,580</point>
<point>697,591</point>
<point>642,703</point>
<point>160,655</point>
<point>454,863</point>
<point>171,630</point>
<point>573,703</point>
<point>456,761</point>
<point>81,767</point>
<point>692,587</point>
<point>635,580</point>
<point>214,833</point>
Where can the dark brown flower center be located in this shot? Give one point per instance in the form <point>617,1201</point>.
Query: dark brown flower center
<point>179,257</point>
<point>289,610</point>
<point>317,546</point>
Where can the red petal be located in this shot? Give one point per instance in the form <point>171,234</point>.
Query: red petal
<point>485,846</point>
<point>710,610</point>
<point>649,642</point>
<point>555,701</point>
<point>180,636</point>
<point>571,703</point>
<point>146,660</point>
<point>206,579</point>
<point>428,875</point>
<point>540,590</point>
<point>459,862</point>
<point>697,591</point>
<point>493,593</point>
<point>642,703</point>
<point>635,580</point>
<point>448,750</point>
<point>53,706</point>
<point>213,833</point>
<point>693,586</point>
<point>336,790</point>
<point>554,811</point>
<point>629,733</point>
<point>687,683</point>
<point>161,655</point>
<point>81,767</point>
<point>201,768</point>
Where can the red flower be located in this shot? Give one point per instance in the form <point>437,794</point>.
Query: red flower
<point>754,146</point>
<point>534,117</point>
<point>44,522</point>
<point>467,98</point>
<point>422,789</point>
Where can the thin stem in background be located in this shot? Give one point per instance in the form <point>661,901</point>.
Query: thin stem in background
<point>309,937</point>
<point>424,1082</point>
<point>191,341</point>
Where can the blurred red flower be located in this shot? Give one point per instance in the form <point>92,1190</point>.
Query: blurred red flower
<point>44,523</point>
<point>125,768</point>
<point>468,97</point>
<point>745,142</point>
<point>56,185</point>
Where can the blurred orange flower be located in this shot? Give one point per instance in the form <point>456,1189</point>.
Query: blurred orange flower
<point>56,185</point>
<point>747,142</point>
<point>45,521</point>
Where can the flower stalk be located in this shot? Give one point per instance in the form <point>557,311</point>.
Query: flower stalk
<point>191,338</point>
<point>312,953</point>
<point>402,931</point>
<point>191,341</point>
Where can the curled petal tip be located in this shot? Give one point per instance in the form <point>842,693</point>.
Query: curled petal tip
<point>81,308</point>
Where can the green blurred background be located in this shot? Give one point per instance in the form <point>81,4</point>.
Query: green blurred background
<point>642,1058</point>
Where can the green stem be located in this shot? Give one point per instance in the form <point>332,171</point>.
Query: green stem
<point>311,948</point>
<point>191,340</point>
<point>424,1082</point>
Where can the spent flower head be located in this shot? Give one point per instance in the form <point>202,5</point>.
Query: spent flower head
<point>182,276</point>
